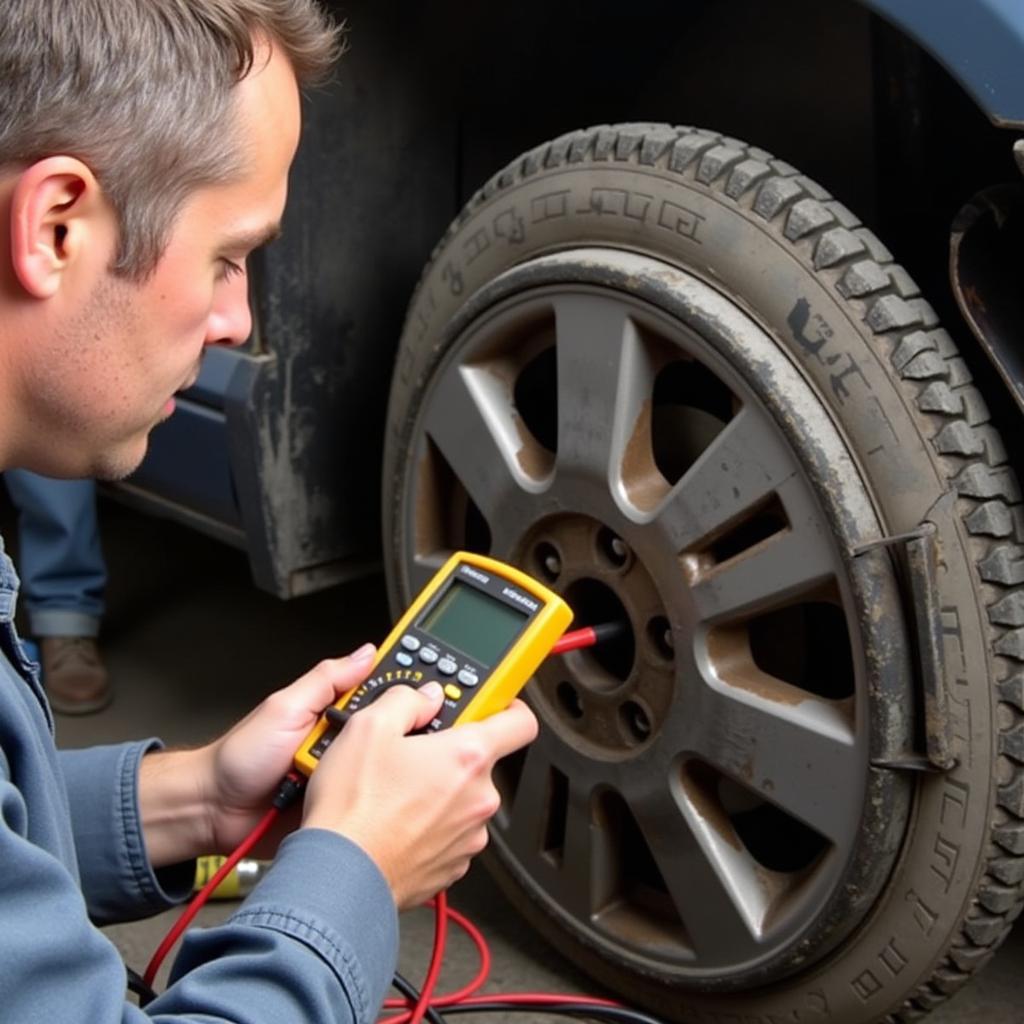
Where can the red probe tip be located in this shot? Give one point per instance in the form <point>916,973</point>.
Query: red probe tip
<point>587,637</point>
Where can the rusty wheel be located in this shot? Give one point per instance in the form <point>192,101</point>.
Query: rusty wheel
<point>700,800</point>
<point>636,371</point>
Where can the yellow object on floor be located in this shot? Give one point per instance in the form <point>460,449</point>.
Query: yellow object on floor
<point>239,881</point>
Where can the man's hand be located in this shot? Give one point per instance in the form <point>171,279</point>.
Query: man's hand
<point>418,805</point>
<point>252,758</point>
<point>208,800</point>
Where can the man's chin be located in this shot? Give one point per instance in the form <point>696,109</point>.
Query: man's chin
<point>114,466</point>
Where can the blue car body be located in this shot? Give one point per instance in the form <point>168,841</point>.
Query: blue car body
<point>979,42</point>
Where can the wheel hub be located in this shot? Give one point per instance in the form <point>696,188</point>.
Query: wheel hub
<point>610,700</point>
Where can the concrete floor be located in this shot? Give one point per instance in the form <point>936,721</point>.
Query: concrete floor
<point>192,645</point>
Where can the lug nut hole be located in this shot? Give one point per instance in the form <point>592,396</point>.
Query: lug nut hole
<point>613,548</point>
<point>636,721</point>
<point>659,635</point>
<point>549,561</point>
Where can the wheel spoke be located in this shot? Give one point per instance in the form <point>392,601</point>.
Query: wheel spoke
<point>583,858</point>
<point>603,381</point>
<point>709,878</point>
<point>470,423</point>
<point>786,564</point>
<point>526,825</point>
<point>744,464</point>
<point>799,754</point>
<point>549,827</point>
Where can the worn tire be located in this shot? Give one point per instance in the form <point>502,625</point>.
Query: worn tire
<point>853,323</point>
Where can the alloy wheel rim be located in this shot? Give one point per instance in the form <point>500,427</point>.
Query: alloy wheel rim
<point>695,804</point>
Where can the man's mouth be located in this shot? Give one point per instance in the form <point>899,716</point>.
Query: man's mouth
<point>189,382</point>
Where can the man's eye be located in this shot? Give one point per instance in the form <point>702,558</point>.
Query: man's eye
<point>229,269</point>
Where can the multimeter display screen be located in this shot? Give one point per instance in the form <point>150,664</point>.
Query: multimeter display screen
<point>478,625</point>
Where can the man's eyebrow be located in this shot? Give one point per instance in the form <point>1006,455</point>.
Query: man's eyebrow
<point>247,241</point>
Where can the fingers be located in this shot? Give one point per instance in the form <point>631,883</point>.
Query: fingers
<point>421,807</point>
<point>505,731</point>
<point>406,708</point>
<point>432,697</point>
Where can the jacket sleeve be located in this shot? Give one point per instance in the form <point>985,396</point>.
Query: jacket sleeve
<point>118,882</point>
<point>316,941</point>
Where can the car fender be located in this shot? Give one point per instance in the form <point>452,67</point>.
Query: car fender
<point>980,43</point>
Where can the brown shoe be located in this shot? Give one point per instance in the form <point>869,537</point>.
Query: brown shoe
<point>74,676</point>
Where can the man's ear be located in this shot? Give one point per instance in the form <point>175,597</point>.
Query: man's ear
<point>59,218</point>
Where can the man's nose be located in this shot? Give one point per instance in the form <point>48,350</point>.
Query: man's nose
<point>230,321</point>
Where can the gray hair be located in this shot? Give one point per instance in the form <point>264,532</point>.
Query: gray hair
<point>141,91</point>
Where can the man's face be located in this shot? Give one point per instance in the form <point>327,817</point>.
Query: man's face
<point>109,375</point>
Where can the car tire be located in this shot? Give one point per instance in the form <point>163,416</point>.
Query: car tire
<point>777,304</point>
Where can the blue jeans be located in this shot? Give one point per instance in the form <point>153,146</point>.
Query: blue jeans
<point>60,559</point>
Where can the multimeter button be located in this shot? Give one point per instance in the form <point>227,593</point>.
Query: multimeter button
<point>404,659</point>
<point>428,655</point>
<point>452,691</point>
<point>447,667</point>
<point>410,643</point>
<point>468,678</point>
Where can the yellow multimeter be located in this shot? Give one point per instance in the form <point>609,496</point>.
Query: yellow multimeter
<point>479,627</point>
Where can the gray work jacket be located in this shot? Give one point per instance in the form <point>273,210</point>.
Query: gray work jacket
<point>316,940</point>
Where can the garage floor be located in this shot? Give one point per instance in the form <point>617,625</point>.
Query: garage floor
<point>192,645</point>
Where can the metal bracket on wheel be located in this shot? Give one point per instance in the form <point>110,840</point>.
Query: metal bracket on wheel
<point>921,558</point>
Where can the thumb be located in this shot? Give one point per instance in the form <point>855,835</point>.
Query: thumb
<point>433,695</point>
<point>327,681</point>
<point>408,708</point>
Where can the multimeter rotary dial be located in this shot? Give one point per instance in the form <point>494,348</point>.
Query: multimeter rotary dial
<point>368,691</point>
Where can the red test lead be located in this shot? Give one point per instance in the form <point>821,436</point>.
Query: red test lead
<point>588,636</point>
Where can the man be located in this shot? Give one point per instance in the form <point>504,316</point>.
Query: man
<point>144,151</point>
